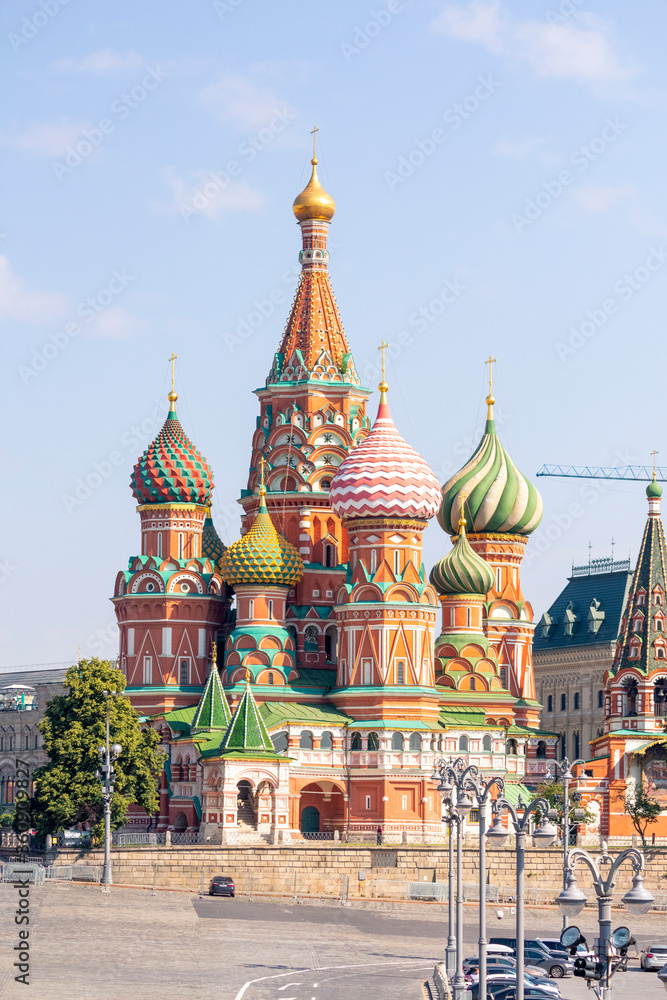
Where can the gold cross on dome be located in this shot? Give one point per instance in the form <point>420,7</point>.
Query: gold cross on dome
<point>314,132</point>
<point>490,362</point>
<point>653,454</point>
<point>383,347</point>
<point>248,675</point>
<point>262,464</point>
<point>172,359</point>
<point>214,654</point>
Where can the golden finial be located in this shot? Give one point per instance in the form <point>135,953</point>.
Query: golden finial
<point>314,135</point>
<point>262,466</point>
<point>653,454</point>
<point>214,654</point>
<point>314,202</point>
<point>172,397</point>
<point>248,675</point>
<point>462,516</point>
<point>489,399</point>
<point>383,387</point>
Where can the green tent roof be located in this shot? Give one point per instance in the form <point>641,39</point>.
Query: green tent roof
<point>213,708</point>
<point>247,731</point>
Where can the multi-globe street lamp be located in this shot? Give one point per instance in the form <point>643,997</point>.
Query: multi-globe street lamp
<point>456,779</point>
<point>564,773</point>
<point>544,835</point>
<point>108,754</point>
<point>572,901</point>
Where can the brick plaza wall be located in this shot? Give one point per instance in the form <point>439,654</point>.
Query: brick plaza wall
<point>319,870</point>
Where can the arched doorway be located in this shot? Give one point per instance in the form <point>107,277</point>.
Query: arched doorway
<point>180,823</point>
<point>245,806</point>
<point>310,820</point>
<point>244,788</point>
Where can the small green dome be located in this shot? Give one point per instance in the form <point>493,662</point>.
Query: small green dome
<point>462,571</point>
<point>654,489</point>
<point>262,555</point>
<point>211,543</point>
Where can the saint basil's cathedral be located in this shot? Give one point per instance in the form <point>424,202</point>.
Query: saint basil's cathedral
<point>296,677</point>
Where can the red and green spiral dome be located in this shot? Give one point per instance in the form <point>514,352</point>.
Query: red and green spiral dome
<point>172,470</point>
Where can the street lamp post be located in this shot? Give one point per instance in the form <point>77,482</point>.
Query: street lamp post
<point>454,776</point>
<point>108,754</point>
<point>450,950</point>
<point>564,771</point>
<point>572,900</point>
<point>545,835</point>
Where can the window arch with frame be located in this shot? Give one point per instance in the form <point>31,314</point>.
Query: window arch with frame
<point>397,741</point>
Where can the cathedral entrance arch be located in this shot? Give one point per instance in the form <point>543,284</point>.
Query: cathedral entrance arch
<point>180,823</point>
<point>310,820</point>
<point>327,800</point>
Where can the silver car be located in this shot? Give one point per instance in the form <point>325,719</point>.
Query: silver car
<point>653,957</point>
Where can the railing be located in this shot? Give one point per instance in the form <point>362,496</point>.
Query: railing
<point>318,835</point>
<point>23,873</point>
<point>426,890</point>
<point>185,838</point>
<point>602,566</point>
<point>123,839</point>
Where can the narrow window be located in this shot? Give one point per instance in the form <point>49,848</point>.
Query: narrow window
<point>270,678</point>
<point>201,642</point>
<point>374,560</point>
<point>400,672</point>
<point>463,744</point>
<point>499,578</point>
<point>600,699</point>
<point>328,560</point>
<point>486,743</point>
<point>251,610</point>
<point>180,545</point>
<point>576,701</point>
<point>148,670</point>
<point>159,544</point>
<point>472,684</point>
<point>354,560</point>
<point>397,562</point>
<point>563,703</point>
<point>468,617</point>
<point>503,676</point>
<point>184,671</point>
<point>404,802</point>
<point>550,703</point>
<point>130,642</point>
<point>270,609</point>
<point>368,801</point>
<point>452,617</point>
<point>166,641</point>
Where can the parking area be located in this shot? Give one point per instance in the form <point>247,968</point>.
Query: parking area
<point>84,943</point>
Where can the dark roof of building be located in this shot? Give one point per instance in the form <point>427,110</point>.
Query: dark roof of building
<point>55,675</point>
<point>577,603</point>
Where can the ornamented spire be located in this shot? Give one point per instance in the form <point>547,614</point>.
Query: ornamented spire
<point>172,470</point>
<point>384,476</point>
<point>314,345</point>
<point>247,732</point>
<point>213,709</point>
<point>499,497</point>
<point>462,571</point>
<point>211,544</point>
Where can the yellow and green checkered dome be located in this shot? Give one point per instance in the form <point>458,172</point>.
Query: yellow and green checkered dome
<point>263,555</point>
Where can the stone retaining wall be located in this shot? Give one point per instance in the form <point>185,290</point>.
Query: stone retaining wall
<point>325,871</point>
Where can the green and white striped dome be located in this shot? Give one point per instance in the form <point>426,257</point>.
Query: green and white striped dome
<point>462,571</point>
<point>498,498</point>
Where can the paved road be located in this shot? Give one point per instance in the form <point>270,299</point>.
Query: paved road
<point>86,945</point>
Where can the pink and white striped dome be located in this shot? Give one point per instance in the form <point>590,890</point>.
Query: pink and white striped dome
<point>385,477</point>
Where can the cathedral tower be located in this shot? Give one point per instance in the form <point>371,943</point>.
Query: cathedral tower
<point>312,410</point>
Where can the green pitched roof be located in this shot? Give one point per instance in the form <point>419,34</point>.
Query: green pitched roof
<point>247,731</point>
<point>180,719</point>
<point>213,708</point>
<point>278,713</point>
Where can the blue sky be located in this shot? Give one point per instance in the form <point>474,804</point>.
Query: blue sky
<point>151,155</point>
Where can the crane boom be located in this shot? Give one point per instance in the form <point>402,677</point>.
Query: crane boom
<point>638,473</point>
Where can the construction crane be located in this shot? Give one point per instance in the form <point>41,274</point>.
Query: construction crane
<point>638,473</point>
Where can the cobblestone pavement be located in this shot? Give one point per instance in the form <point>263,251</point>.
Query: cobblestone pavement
<point>86,944</point>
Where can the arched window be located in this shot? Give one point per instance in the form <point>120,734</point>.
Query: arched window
<point>577,700</point>
<point>550,703</point>
<point>397,741</point>
<point>400,672</point>
<point>280,742</point>
<point>330,644</point>
<point>328,555</point>
<point>270,677</point>
<point>600,699</point>
<point>374,561</point>
<point>576,744</point>
<point>397,562</point>
<point>660,697</point>
<point>356,741</point>
<point>251,610</point>
<point>373,741</point>
<point>631,693</point>
<point>473,684</point>
<point>563,703</point>
<point>415,742</point>
<point>499,578</point>
<point>503,676</point>
<point>469,621</point>
<point>326,742</point>
<point>541,751</point>
<point>310,637</point>
<point>159,544</point>
<point>180,545</point>
<point>464,744</point>
<point>306,740</point>
<point>511,747</point>
<point>486,743</point>
<point>270,609</point>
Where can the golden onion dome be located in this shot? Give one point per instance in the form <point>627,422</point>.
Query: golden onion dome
<point>314,202</point>
<point>262,556</point>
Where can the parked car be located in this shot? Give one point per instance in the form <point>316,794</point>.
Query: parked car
<point>499,980</point>
<point>662,975</point>
<point>499,964</point>
<point>653,957</point>
<point>555,964</point>
<point>529,992</point>
<point>221,885</point>
<point>511,942</point>
<point>553,944</point>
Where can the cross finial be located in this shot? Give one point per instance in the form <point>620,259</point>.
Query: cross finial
<point>653,454</point>
<point>383,387</point>
<point>262,466</point>
<point>489,399</point>
<point>214,654</point>
<point>314,132</point>
<point>462,515</point>
<point>248,675</point>
<point>172,397</point>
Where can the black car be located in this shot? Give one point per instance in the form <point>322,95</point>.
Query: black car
<point>221,885</point>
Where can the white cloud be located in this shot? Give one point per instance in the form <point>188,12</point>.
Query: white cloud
<point>565,50</point>
<point>105,61</point>
<point>114,322</point>
<point>600,197</point>
<point>534,146</point>
<point>46,139</point>
<point>235,99</point>
<point>19,302</point>
<point>204,193</point>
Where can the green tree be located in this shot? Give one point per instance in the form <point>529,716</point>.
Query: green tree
<point>67,791</point>
<point>642,809</point>
<point>552,791</point>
